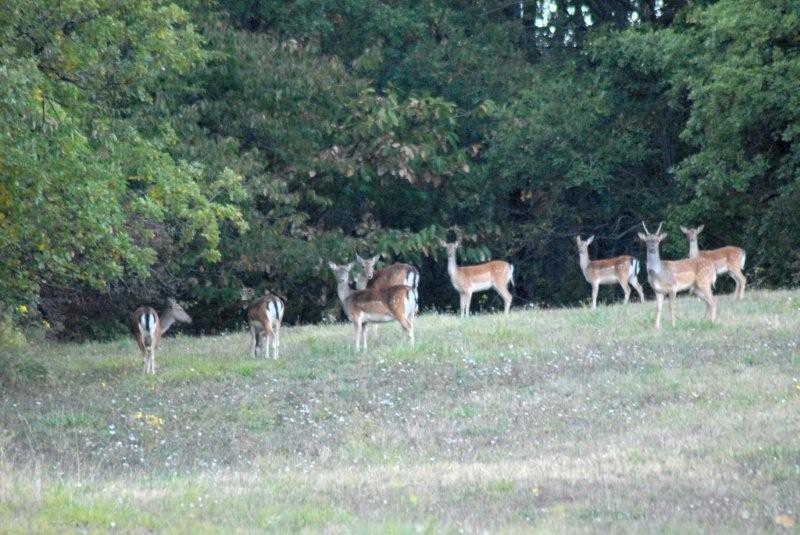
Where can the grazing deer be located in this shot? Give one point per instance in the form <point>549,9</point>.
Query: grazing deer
<point>468,279</point>
<point>726,259</point>
<point>620,269</point>
<point>147,329</point>
<point>668,277</point>
<point>264,316</point>
<point>375,305</point>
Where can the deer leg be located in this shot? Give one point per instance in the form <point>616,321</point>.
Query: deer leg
<point>506,295</point>
<point>626,290</point>
<point>253,344</point>
<point>466,298</point>
<point>704,292</point>
<point>671,296</point>
<point>357,324</point>
<point>638,287</point>
<point>276,340</point>
<point>659,306</point>
<point>364,331</point>
<point>409,328</point>
<point>740,280</point>
<point>595,289</point>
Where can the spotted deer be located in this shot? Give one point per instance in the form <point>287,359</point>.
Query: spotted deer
<point>469,279</point>
<point>147,328</point>
<point>668,277</point>
<point>726,259</point>
<point>375,305</point>
<point>265,316</point>
<point>622,269</point>
<point>392,275</point>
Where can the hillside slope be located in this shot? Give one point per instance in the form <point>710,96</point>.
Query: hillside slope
<point>557,420</point>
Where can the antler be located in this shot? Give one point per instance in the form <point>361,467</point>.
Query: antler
<point>645,228</point>
<point>659,228</point>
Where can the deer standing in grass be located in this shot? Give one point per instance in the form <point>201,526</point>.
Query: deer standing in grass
<point>620,269</point>
<point>375,305</point>
<point>264,316</point>
<point>396,274</point>
<point>468,279</point>
<point>668,277</point>
<point>147,329</point>
<point>726,259</point>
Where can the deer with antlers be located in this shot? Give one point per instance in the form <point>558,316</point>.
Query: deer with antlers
<point>668,277</point>
<point>622,269</point>
<point>726,259</point>
<point>375,305</point>
<point>264,316</point>
<point>469,279</point>
<point>147,329</point>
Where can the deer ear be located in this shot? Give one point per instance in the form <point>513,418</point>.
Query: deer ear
<point>458,243</point>
<point>442,242</point>
<point>684,230</point>
<point>375,258</point>
<point>332,266</point>
<point>358,258</point>
<point>590,240</point>
<point>642,236</point>
<point>700,228</point>
<point>578,239</point>
<point>350,266</point>
<point>663,236</point>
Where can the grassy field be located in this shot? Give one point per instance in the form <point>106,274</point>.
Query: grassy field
<point>547,420</point>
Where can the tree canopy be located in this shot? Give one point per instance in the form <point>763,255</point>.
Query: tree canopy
<point>210,150</point>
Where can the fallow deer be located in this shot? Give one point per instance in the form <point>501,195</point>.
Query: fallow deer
<point>468,279</point>
<point>726,259</point>
<point>668,277</point>
<point>265,316</point>
<point>392,275</point>
<point>622,269</point>
<point>375,305</point>
<point>147,328</point>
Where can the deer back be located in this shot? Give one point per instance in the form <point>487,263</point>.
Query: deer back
<point>395,275</point>
<point>392,301</point>
<point>690,271</point>
<point>496,272</point>
<point>728,257</point>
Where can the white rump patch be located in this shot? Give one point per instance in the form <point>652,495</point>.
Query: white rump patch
<point>148,323</point>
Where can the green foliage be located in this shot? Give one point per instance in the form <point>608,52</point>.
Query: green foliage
<point>208,150</point>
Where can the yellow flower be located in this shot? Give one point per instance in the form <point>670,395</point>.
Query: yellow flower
<point>535,491</point>
<point>22,309</point>
<point>46,324</point>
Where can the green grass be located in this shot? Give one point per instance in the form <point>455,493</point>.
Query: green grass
<point>545,421</point>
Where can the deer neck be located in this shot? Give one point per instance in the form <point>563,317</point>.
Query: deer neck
<point>694,251</point>
<point>452,267</point>
<point>343,290</point>
<point>166,320</point>
<point>584,261</point>
<point>654,262</point>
